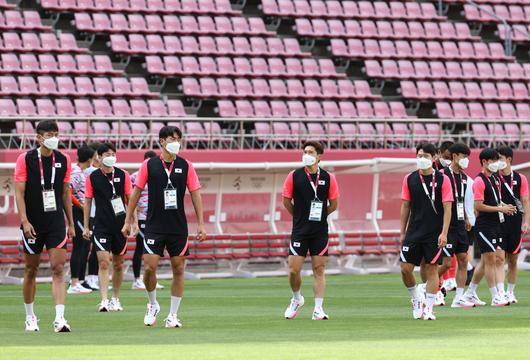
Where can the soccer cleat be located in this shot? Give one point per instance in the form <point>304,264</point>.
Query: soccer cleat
<point>138,284</point>
<point>172,321</point>
<point>473,298</point>
<point>499,300</point>
<point>93,282</point>
<point>417,307</point>
<point>115,305</point>
<point>440,299</point>
<point>294,306</point>
<point>319,314</point>
<point>510,297</point>
<point>461,302</point>
<point>32,323</point>
<point>150,314</point>
<point>78,289</point>
<point>429,315</point>
<point>103,306</point>
<point>422,289</point>
<point>60,325</point>
<point>159,286</point>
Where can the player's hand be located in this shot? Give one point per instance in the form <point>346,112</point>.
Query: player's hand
<point>71,231</point>
<point>525,228</point>
<point>135,229</point>
<point>201,233</point>
<point>508,209</point>
<point>86,234</point>
<point>29,231</point>
<point>126,229</point>
<point>442,241</point>
<point>468,225</point>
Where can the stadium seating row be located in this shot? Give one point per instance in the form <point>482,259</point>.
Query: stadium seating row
<point>383,29</point>
<point>445,50</point>
<point>519,32</point>
<point>170,24</point>
<point>510,13</point>
<point>21,20</point>
<point>91,108</point>
<point>298,109</point>
<point>276,88</point>
<point>508,133</point>
<point>74,86</point>
<point>350,9</point>
<point>241,66</point>
<point>403,69</point>
<point>41,42</point>
<point>454,90</point>
<point>461,110</point>
<point>205,45</point>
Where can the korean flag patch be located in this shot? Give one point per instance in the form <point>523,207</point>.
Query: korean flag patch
<point>405,248</point>
<point>321,182</point>
<point>117,180</point>
<point>58,165</point>
<point>178,171</point>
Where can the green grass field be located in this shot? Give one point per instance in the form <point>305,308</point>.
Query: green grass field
<point>242,319</point>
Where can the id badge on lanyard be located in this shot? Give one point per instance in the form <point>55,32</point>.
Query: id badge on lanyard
<point>49,201</point>
<point>117,205</point>
<point>170,193</point>
<point>317,206</point>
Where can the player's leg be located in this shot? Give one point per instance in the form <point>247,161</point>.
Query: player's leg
<point>410,257</point>
<point>77,258</point>
<point>93,270</point>
<point>57,261</point>
<point>432,287</point>
<point>177,290</point>
<point>295,263</point>
<point>119,248</point>
<point>512,258</point>
<point>319,285</point>
<point>500,256</point>
<point>153,308</point>
<point>138,284</point>
<point>103,275</point>
<point>29,289</point>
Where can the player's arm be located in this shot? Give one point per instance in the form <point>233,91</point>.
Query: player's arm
<point>288,205</point>
<point>333,194</point>
<point>526,204</point>
<point>404,216</point>
<point>447,201</point>
<point>333,205</point>
<point>196,199</point>
<point>131,207</point>
<point>287,193</point>
<point>67,206</point>
<point>20,189</point>
<point>86,218</point>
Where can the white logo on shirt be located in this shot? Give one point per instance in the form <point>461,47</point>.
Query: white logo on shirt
<point>117,180</point>
<point>405,248</point>
<point>321,182</point>
<point>494,241</point>
<point>58,165</point>
<point>178,171</point>
<point>103,241</point>
<point>150,241</point>
<point>296,244</point>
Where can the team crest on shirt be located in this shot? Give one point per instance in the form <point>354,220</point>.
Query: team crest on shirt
<point>150,242</point>
<point>405,248</point>
<point>296,244</point>
<point>321,182</point>
<point>178,171</point>
<point>117,180</point>
<point>58,165</point>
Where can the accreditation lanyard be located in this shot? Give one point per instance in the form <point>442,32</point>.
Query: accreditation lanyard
<point>41,168</point>
<point>111,181</point>
<point>509,187</point>
<point>168,172</point>
<point>459,196</point>
<point>498,199</point>
<point>432,198</point>
<point>315,184</point>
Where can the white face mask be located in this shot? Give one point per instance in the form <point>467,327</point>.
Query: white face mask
<point>173,147</point>
<point>424,163</point>
<point>308,160</point>
<point>502,165</point>
<point>109,161</point>
<point>51,143</point>
<point>493,167</point>
<point>463,163</point>
<point>445,163</point>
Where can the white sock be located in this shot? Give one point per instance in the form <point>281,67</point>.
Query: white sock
<point>152,296</point>
<point>493,291</point>
<point>59,311</point>
<point>297,295</point>
<point>500,287</point>
<point>175,303</point>
<point>319,302</point>
<point>469,266</point>
<point>511,288</point>
<point>412,292</point>
<point>29,310</point>
<point>472,288</point>
<point>429,303</point>
<point>459,292</point>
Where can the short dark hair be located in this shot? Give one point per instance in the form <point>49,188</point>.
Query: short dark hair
<point>168,131</point>
<point>84,153</point>
<point>149,154</point>
<point>460,148</point>
<point>427,148</point>
<point>47,126</point>
<point>319,148</point>
<point>488,154</point>
<point>103,148</point>
<point>94,146</point>
<point>505,151</point>
<point>446,145</point>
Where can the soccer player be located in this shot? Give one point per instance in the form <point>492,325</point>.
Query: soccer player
<point>92,280</point>
<point>42,189</point>
<point>457,240</point>
<point>514,192</point>
<point>138,284</point>
<point>310,194</point>
<point>81,248</point>
<point>166,226</point>
<point>110,188</point>
<point>443,156</point>
<point>492,213</point>
<point>425,219</point>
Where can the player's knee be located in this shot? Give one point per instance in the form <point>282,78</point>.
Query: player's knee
<point>117,266</point>
<point>178,269</point>
<point>319,270</point>
<point>31,270</point>
<point>294,271</point>
<point>104,264</point>
<point>57,270</point>
<point>512,261</point>
<point>149,269</point>
<point>405,269</point>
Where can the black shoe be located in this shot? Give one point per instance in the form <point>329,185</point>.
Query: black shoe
<point>86,286</point>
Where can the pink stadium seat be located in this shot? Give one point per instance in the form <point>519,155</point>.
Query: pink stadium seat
<point>460,110</point>
<point>64,107</point>
<point>347,109</point>
<point>523,110</point>
<point>444,110</point>
<point>84,86</point>
<point>330,109</point>
<point>476,111</point>
<point>102,108</point>
<point>175,108</point>
<point>364,109</point>
<point>381,109</point>
<point>26,107</point>
<point>244,108</point>
<point>279,109</point>
<point>102,86</point>
<point>29,63</point>
<point>243,87</point>
<point>492,111</point>
<point>296,109</point>
<point>508,111</point>
<point>120,108</point>
<point>45,107</point>
<point>157,108</point>
<point>313,109</point>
